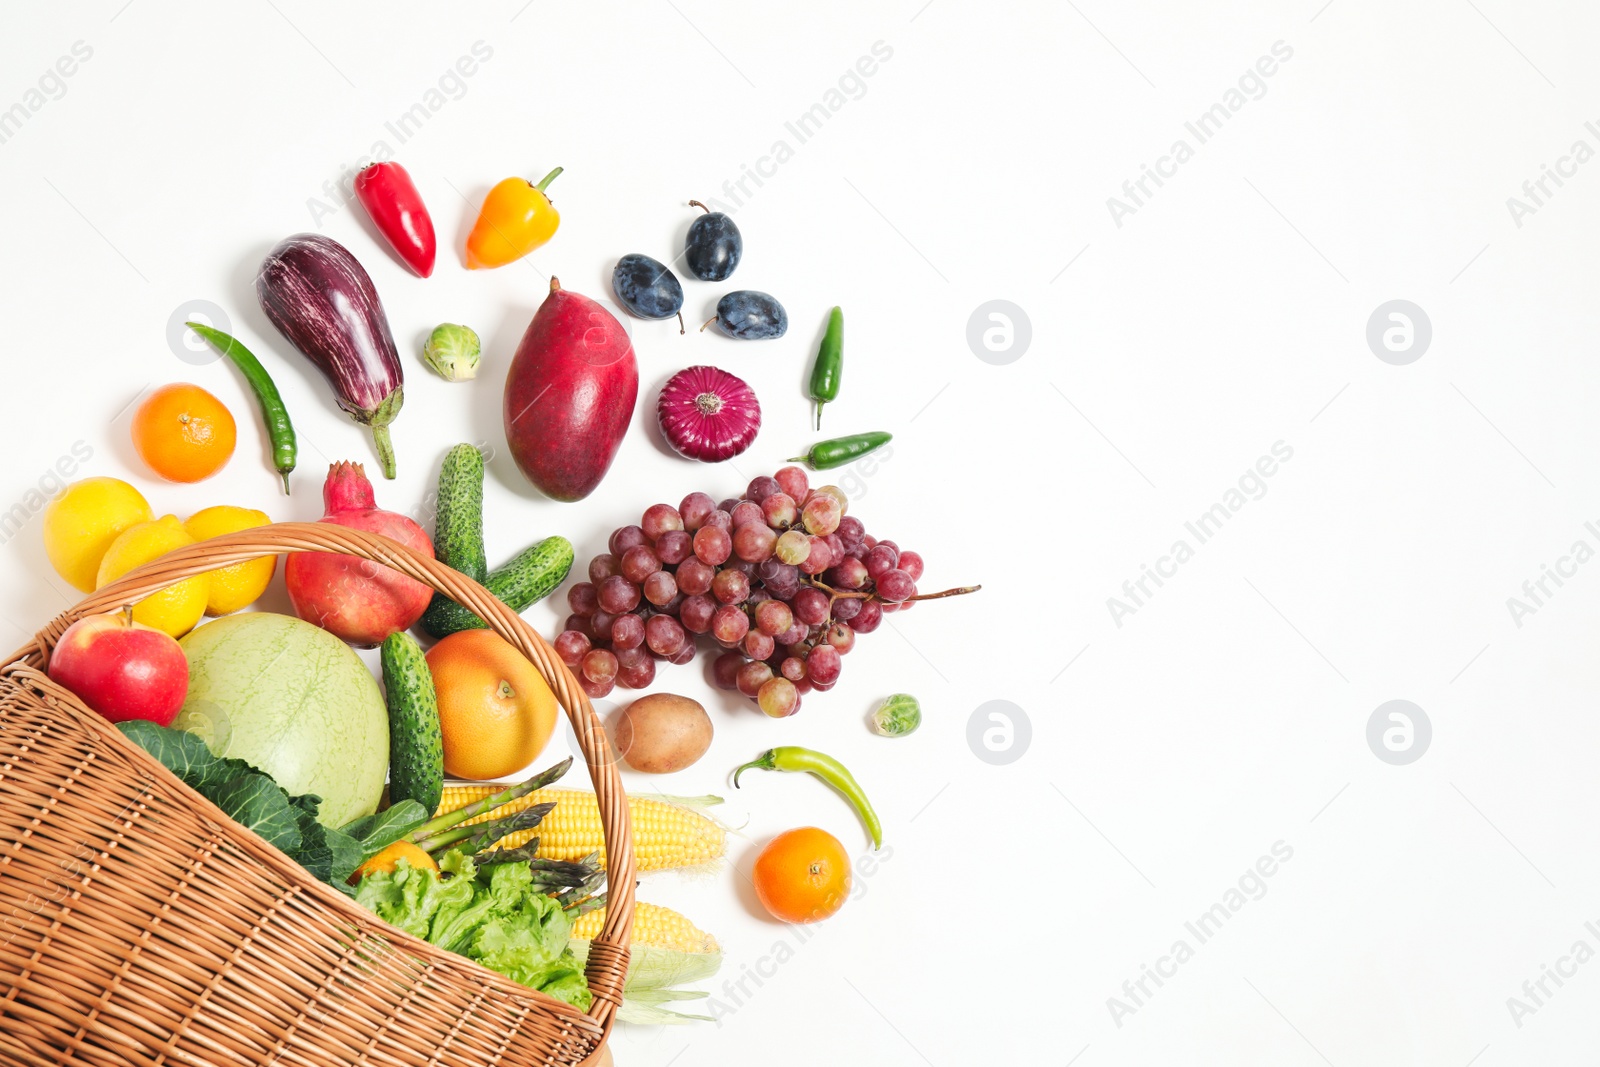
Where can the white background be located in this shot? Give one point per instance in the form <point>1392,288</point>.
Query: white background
<point>1167,355</point>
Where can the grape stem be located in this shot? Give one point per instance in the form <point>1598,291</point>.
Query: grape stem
<point>845,594</point>
<point>957,591</point>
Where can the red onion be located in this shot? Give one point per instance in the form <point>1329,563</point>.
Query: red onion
<point>708,414</point>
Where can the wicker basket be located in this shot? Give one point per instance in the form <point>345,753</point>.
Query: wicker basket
<point>139,925</point>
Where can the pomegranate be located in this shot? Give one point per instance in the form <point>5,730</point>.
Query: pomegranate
<point>569,394</point>
<point>352,598</point>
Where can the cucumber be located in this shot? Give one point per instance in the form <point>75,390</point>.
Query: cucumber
<point>416,748</point>
<point>457,529</point>
<point>532,574</point>
<point>527,578</point>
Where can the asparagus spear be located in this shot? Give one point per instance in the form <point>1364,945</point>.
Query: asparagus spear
<point>433,827</point>
<point>471,839</point>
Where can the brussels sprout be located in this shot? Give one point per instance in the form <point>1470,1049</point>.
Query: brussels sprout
<point>452,351</point>
<point>897,716</point>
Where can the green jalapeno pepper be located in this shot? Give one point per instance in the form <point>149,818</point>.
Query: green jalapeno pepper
<point>837,451</point>
<point>830,362</point>
<point>830,770</point>
<point>279,429</point>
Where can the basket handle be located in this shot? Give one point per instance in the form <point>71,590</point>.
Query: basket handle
<point>607,968</point>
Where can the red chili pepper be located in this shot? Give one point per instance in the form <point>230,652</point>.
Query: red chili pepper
<point>396,207</point>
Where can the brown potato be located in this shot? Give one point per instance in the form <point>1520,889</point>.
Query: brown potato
<point>661,733</point>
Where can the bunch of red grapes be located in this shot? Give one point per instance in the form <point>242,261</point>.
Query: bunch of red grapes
<point>782,579</point>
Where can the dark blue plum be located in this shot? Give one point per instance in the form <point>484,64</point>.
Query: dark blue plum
<point>751,316</point>
<point>647,288</point>
<point>713,246</point>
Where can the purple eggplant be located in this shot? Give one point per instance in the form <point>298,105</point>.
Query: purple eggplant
<point>321,299</point>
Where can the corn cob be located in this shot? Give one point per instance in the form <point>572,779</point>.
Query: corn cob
<point>666,833</point>
<point>653,926</point>
<point>668,952</point>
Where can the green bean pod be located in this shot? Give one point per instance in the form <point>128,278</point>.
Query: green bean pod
<point>837,451</point>
<point>280,431</point>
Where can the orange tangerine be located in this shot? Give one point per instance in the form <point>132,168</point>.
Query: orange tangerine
<point>184,433</point>
<point>803,875</point>
<point>386,859</point>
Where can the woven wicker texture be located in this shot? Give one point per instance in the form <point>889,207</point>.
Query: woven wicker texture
<point>139,925</point>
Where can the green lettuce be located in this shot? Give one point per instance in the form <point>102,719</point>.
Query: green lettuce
<point>500,920</point>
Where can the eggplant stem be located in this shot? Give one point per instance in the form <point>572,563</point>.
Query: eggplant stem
<point>380,437</point>
<point>379,419</point>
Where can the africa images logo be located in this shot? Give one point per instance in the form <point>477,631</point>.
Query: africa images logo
<point>1251,885</point>
<point>1252,85</point>
<point>1251,485</point>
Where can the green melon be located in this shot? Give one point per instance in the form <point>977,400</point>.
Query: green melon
<point>294,701</point>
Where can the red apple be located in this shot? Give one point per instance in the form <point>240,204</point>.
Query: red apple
<point>122,669</point>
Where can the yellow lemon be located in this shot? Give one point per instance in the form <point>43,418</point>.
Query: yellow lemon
<point>83,520</point>
<point>241,584</point>
<point>174,609</point>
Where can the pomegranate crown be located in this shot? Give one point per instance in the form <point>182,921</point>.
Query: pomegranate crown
<point>347,488</point>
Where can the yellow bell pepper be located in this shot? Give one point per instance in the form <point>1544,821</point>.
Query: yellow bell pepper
<point>516,218</point>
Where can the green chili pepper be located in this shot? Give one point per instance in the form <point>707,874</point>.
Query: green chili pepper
<point>279,429</point>
<point>830,770</point>
<point>837,451</point>
<point>830,362</point>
